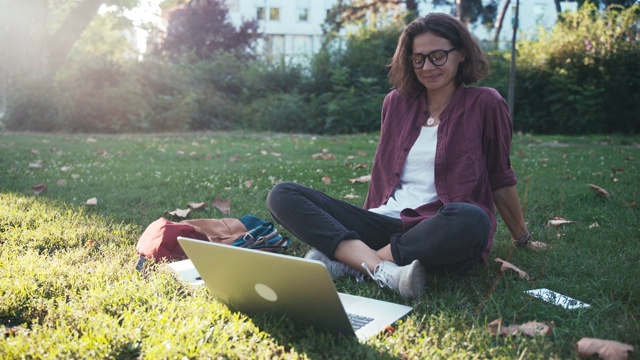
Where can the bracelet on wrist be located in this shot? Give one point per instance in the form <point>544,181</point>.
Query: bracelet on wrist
<point>523,240</point>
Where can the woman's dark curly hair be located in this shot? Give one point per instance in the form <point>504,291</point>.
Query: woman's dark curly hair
<point>474,68</point>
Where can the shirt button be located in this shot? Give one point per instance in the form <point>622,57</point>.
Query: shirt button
<point>406,149</point>
<point>397,175</point>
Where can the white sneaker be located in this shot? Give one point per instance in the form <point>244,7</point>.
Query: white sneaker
<point>336,268</point>
<point>409,280</point>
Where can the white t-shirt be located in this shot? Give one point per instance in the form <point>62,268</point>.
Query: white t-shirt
<point>417,181</point>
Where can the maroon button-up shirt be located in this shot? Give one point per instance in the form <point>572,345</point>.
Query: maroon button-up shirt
<point>472,154</point>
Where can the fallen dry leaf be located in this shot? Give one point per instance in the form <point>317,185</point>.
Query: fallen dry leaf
<point>181,213</point>
<point>65,168</point>
<point>90,243</point>
<point>531,328</point>
<point>9,331</point>
<point>222,205</point>
<point>557,221</point>
<point>61,182</point>
<point>606,349</point>
<point>599,190</point>
<point>197,206</point>
<point>326,180</point>
<point>248,183</point>
<point>362,179</point>
<point>92,202</point>
<point>351,196</point>
<point>507,265</point>
<point>594,225</point>
<point>36,165</point>
<point>323,156</point>
<point>537,246</point>
<point>39,189</point>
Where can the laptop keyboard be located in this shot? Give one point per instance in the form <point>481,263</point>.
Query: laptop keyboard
<point>358,321</point>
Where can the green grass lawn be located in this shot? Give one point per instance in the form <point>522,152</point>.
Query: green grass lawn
<point>69,288</point>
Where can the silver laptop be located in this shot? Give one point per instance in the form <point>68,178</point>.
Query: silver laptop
<point>252,281</point>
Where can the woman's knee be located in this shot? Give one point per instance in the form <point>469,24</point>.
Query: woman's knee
<point>280,195</point>
<point>469,217</point>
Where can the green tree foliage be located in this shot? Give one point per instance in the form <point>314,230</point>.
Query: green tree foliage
<point>583,76</point>
<point>37,35</point>
<point>601,4</point>
<point>347,81</point>
<point>201,28</point>
<point>346,12</point>
<point>36,39</point>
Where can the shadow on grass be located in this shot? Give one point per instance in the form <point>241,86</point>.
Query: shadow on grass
<point>315,343</point>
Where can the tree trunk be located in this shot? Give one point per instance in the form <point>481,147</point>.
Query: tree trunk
<point>60,43</point>
<point>412,5</point>
<point>512,73</point>
<point>499,22</point>
<point>461,12</point>
<point>412,11</point>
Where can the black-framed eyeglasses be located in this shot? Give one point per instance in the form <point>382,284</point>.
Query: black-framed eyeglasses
<point>436,57</point>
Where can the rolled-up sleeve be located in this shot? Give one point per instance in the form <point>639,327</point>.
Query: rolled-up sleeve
<point>497,143</point>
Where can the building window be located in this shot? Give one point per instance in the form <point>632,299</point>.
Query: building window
<point>233,5</point>
<point>539,12</point>
<point>303,14</point>
<point>303,10</point>
<point>271,13</point>
<point>302,45</point>
<point>274,14</point>
<point>274,45</point>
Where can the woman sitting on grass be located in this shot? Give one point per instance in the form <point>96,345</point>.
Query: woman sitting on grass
<point>442,163</point>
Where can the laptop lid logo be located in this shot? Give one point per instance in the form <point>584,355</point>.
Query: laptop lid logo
<point>266,292</point>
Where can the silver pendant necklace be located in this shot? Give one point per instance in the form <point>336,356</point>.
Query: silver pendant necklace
<point>430,121</point>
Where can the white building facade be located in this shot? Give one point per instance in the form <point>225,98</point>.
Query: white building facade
<point>292,29</point>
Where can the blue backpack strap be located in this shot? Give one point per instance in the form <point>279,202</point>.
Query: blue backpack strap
<point>261,235</point>
<point>251,222</point>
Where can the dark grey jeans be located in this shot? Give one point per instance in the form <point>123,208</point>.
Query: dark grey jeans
<point>452,241</point>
